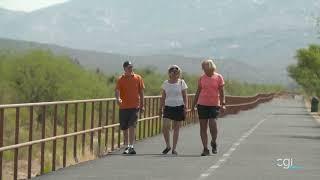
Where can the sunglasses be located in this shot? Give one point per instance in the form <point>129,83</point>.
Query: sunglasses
<point>174,69</point>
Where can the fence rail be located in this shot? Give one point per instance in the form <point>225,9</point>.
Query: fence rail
<point>67,131</point>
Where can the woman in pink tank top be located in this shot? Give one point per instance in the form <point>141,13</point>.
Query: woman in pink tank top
<point>210,101</point>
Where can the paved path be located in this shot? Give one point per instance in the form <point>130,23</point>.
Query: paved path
<point>250,146</point>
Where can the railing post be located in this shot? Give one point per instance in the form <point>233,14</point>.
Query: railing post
<point>75,129</point>
<point>107,129</point>
<point>113,121</point>
<point>65,132</point>
<point>43,135</point>
<point>99,124</point>
<point>140,125</point>
<point>119,135</point>
<point>157,113</point>
<point>152,120</point>
<point>1,138</point>
<point>149,115</point>
<point>16,141</point>
<point>92,126</point>
<point>54,143</point>
<point>144,116</point>
<point>30,139</point>
<point>84,127</point>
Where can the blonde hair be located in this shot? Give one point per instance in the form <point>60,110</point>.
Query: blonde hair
<point>210,64</point>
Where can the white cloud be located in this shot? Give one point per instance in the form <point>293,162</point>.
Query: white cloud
<point>233,46</point>
<point>202,29</point>
<point>39,28</point>
<point>28,5</point>
<point>175,44</point>
<point>259,2</point>
<point>108,19</point>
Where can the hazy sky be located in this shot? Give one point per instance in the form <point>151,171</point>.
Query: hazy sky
<point>27,5</point>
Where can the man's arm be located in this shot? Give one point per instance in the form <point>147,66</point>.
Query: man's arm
<point>117,92</point>
<point>141,94</point>
<point>117,95</point>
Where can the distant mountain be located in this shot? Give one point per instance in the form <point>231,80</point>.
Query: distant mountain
<point>112,63</point>
<point>262,33</point>
<point>7,17</point>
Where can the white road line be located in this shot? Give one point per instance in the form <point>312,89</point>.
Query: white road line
<point>227,155</point>
<point>204,175</point>
<point>214,167</point>
<point>236,144</point>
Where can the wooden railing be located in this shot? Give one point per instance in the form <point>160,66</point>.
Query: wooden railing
<point>37,138</point>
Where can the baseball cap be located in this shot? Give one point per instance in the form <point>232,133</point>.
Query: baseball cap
<point>127,63</point>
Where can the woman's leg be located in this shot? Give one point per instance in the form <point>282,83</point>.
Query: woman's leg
<point>203,132</point>
<point>176,128</point>
<point>213,129</point>
<point>166,131</point>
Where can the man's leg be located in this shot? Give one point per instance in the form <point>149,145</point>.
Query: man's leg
<point>125,137</point>
<point>123,117</point>
<point>133,117</point>
<point>132,135</point>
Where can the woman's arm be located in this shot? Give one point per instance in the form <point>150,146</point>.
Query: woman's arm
<point>221,96</point>
<point>185,99</point>
<point>196,97</point>
<point>222,99</point>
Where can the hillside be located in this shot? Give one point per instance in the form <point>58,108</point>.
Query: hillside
<point>111,63</point>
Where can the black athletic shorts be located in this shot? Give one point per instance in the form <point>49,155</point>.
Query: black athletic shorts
<point>208,112</point>
<point>175,113</point>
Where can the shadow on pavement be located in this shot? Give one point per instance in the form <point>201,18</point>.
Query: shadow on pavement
<point>314,127</point>
<point>158,155</point>
<point>305,137</point>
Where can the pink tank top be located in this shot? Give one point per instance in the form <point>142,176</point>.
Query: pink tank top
<point>209,94</point>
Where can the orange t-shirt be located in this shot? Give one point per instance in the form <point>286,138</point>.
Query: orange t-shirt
<point>129,88</point>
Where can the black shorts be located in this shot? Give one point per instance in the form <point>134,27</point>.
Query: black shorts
<point>128,118</point>
<point>208,112</point>
<point>175,113</point>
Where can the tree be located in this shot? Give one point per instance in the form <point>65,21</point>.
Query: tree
<point>306,72</point>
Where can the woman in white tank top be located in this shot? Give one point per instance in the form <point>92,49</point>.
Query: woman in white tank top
<point>173,106</point>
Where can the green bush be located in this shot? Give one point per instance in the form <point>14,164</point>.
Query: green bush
<point>42,76</point>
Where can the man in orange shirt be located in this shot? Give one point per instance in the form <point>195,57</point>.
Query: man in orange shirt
<point>129,95</point>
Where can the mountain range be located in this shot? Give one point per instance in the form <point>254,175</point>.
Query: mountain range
<point>263,34</point>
